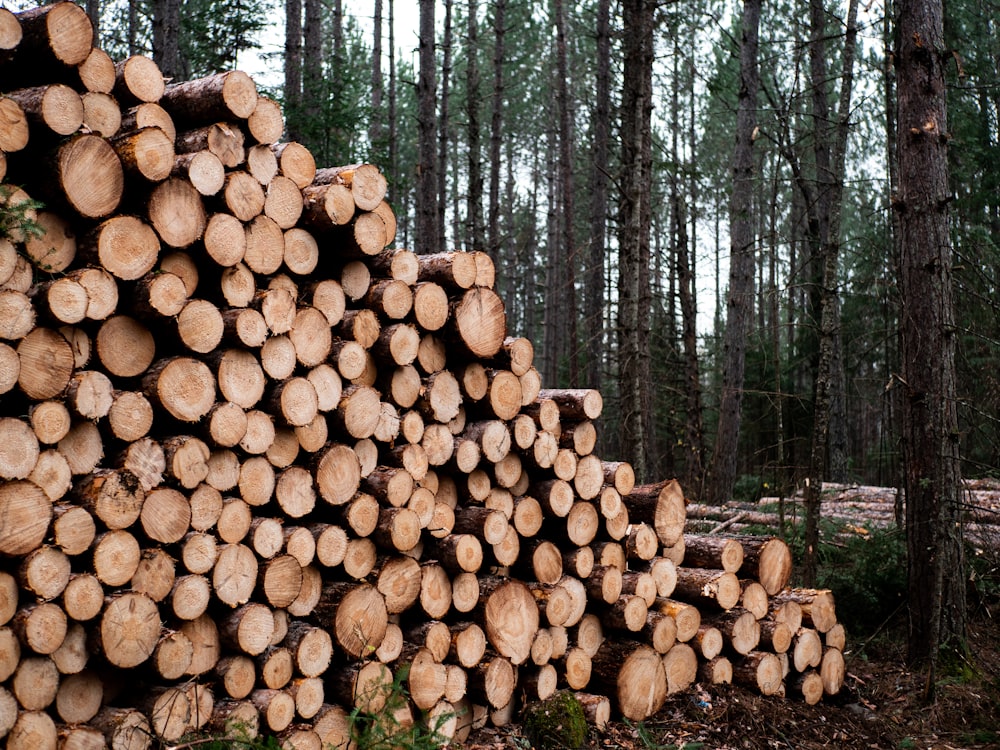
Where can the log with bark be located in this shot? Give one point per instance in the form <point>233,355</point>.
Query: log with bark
<point>300,457</point>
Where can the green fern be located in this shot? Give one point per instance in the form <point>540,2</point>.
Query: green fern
<point>18,220</point>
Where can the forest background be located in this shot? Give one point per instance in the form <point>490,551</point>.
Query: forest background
<point>692,206</point>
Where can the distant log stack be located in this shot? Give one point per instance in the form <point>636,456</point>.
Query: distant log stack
<point>262,461</point>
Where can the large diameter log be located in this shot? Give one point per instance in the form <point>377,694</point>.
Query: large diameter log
<point>509,617</point>
<point>89,175</point>
<point>25,512</point>
<point>129,629</point>
<point>767,559</point>
<point>185,387</point>
<point>480,322</point>
<point>356,614</point>
<point>662,505</point>
<point>759,670</point>
<point>634,675</point>
<point>60,33</point>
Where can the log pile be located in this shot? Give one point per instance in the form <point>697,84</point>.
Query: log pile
<point>253,463</point>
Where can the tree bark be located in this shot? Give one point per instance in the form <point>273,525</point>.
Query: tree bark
<point>427,230</point>
<point>935,566</point>
<point>722,474</point>
<point>634,218</point>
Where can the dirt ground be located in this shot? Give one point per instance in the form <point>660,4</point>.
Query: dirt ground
<point>881,707</point>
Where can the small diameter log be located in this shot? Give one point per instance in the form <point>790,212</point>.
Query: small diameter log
<point>807,686</point>
<point>366,183</point>
<point>740,629</point>
<point>203,169</point>
<point>685,616</point>
<point>56,107</point>
<point>222,96</point>
<point>816,605</point>
<point>575,404</point>
<point>717,671</point>
<point>806,649</point>
<point>147,153</point>
<point>705,586</point>
<point>702,551</point>
<point>775,636</point>
<point>41,627</point>
<point>832,671</point>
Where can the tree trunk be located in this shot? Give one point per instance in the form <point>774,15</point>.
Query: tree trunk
<point>443,132</point>
<point>476,235</point>
<point>427,234</point>
<point>829,151</point>
<point>935,565</point>
<point>496,129</point>
<point>601,118</point>
<point>634,224</point>
<point>741,269</point>
<point>167,38</point>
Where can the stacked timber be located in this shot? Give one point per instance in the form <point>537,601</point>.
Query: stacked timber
<point>254,463</point>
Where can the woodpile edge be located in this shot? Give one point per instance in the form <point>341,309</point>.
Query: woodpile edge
<point>253,463</point>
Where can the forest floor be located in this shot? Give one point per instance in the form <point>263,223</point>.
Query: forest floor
<point>880,707</point>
